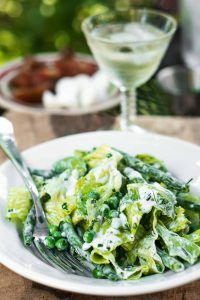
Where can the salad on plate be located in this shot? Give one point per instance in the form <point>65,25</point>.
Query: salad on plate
<point>125,216</point>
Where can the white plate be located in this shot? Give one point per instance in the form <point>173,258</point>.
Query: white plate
<point>7,101</point>
<point>182,158</point>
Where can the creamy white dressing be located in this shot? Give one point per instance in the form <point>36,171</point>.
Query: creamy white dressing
<point>146,195</point>
<point>135,219</point>
<point>86,246</point>
<point>106,172</point>
<point>116,223</point>
<point>131,173</point>
<point>71,183</point>
<point>103,168</point>
<point>55,186</point>
<point>164,190</point>
<point>104,242</point>
<point>146,206</point>
<point>123,219</point>
<point>124,204</point>
<point>145,200</point>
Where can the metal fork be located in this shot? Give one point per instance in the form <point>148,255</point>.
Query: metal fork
<point>62,261</point>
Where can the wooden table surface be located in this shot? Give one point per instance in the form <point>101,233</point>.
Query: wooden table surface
<point>31,130</point>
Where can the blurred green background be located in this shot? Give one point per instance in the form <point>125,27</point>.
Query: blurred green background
<point>36,26</point>
<point>31,26</point>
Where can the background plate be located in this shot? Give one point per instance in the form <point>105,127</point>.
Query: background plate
<point>6,99</point>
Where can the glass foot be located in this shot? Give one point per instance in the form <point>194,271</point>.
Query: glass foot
<point>133,128</point>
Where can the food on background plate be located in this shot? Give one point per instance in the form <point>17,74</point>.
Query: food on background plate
<point>127,215</point>
<point>36,75</point>
<point>77,91</point>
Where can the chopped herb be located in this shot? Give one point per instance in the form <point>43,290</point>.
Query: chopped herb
<point>64,206</point>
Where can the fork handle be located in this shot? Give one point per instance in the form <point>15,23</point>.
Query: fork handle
<point>8,145</point>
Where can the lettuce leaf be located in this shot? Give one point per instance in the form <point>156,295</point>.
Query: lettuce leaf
<point>62,200</point>
<point>19,204</point>
<point>147,253</point>
<point>69,164</point>
<point>100,154</point>
<point>170,262</point>
<point>179,246</point>
<point>179,223</point>
<point>142,198</point>
<point>104,180</point>
<point>194,237</point>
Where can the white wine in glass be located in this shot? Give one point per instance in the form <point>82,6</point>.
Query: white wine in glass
<point>128,45</point>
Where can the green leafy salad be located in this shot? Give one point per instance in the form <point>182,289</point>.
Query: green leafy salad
<point>126,215</point>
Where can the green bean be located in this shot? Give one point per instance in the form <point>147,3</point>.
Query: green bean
<point>70,163</point>
<point>105,271</point>
<point>150,173</point>
<point>46,174</point>
<point>188,205</point>
<point>171,262</point>
<point>74,240</point>
<point>70,233</point>
<point>28,227</point>
<point>153,161</point>
<point>189,201</point>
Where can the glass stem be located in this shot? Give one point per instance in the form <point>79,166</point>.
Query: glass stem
<point>128,108</point>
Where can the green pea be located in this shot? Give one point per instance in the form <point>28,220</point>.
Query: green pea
<point>57,234</point>
<point>105,210</point>
<point>61,244</point>
<point>64,206</point>
<point>45,198</point>
<point>52,229</point>
<point>88,236</point>
<point>113,214</point>
<point>113,202</point>
<point>61,225</point>
<point>97,273</point>
<point>118,195</point>
<point>49,242</point>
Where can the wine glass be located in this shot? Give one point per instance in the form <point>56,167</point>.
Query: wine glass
<point>128,45</point>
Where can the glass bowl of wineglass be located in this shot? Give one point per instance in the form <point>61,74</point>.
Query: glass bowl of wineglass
<point>128,46</point>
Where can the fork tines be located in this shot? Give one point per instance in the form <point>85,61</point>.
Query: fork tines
<point>64,261</point>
